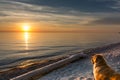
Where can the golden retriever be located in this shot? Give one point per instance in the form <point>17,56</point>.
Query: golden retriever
<point>101,70</point>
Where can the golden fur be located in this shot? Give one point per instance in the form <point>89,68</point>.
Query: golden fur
<point>101,70</point>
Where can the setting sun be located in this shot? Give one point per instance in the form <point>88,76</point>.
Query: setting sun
<point>26,28</point>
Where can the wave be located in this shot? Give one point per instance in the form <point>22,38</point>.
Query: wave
<point>7,63</point>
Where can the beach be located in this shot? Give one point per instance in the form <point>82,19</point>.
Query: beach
<point>76,69</point>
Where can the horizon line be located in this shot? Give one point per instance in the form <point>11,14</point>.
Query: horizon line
<point>77,31</point>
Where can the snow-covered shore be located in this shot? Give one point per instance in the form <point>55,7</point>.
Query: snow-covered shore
<point>82,69</point>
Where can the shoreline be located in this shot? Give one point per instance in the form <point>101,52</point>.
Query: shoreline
<point>88,52</point>
<point>21,69</point>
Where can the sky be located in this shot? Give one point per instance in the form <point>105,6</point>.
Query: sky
<point>60,15</point>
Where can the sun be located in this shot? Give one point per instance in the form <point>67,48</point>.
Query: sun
<point>26,28</point>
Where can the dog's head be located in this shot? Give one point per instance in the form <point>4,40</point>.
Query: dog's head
<point>97,59</point>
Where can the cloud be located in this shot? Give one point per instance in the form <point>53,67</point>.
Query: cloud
<point>60,12</point>
<point>107,21</point>
<point>18,11</point>
<point>79,5</point>
<point>116,6</point>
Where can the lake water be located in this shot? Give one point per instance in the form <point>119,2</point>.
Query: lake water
<point>16,47</point>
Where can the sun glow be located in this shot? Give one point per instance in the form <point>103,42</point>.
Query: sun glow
<point>26,28</point>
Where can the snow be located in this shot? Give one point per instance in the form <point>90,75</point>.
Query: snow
<point>82,69</point>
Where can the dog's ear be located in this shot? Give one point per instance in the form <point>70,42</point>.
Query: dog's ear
<point>92,61</point>
<point>99,58</point>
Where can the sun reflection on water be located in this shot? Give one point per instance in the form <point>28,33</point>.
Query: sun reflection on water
<point>26,37</point>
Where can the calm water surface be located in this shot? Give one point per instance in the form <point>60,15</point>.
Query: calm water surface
<point>19,47</point>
